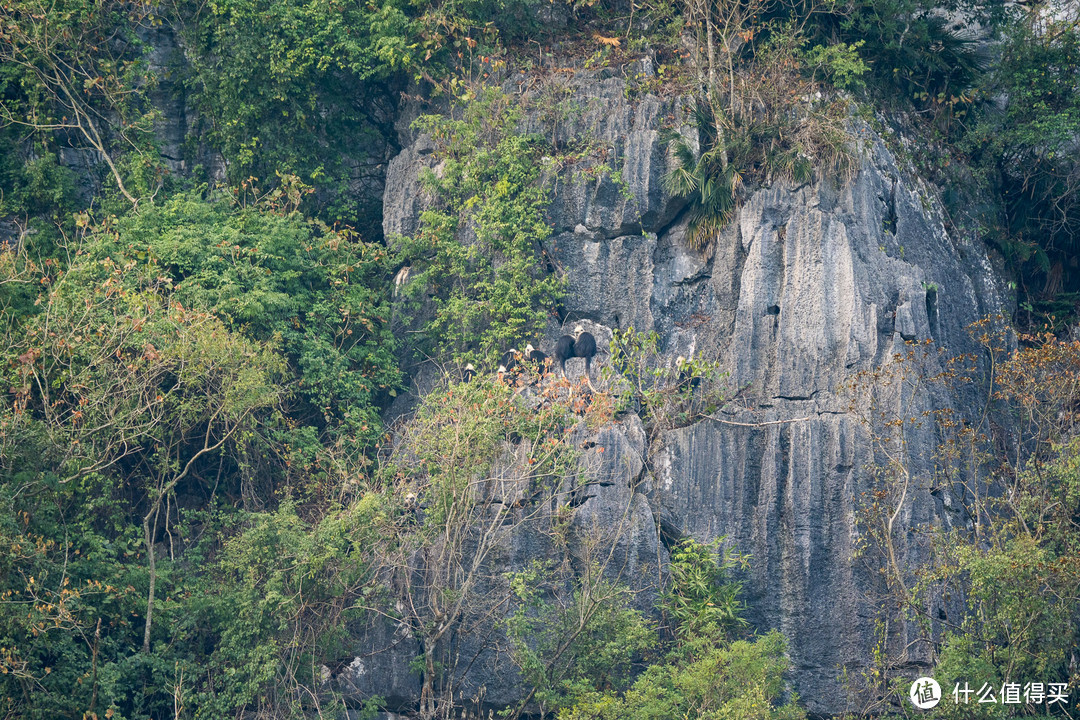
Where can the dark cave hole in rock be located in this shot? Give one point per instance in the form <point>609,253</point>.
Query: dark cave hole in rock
<point>931,309</point>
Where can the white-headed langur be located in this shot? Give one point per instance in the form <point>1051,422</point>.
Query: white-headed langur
<point>564,350</point>
<point>508,361</point>
<point>536,358</point>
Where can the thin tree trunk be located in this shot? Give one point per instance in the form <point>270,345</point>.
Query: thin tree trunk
<point>710,42</point>
<point>148,538</point>
<point>427,692</point>
<point>89,131</point>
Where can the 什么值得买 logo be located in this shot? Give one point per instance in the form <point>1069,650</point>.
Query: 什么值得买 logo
<point>925,693</point>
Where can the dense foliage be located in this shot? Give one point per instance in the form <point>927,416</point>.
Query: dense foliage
<point>311,291</point>
<point>1026,151</point>
<point>707,671</point>
<point>78,71</point>
<point>153,409</point>
<point>277,83</point>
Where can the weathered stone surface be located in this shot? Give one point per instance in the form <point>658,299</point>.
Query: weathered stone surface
<point>781,493</point>
<point>384,651</point>
<point>612,508</point>
<point>592,110</point>
<point>404,198</point>
<point>806,287</point>
<point>619,192</point>
<point>179,122</point>
<point>601,274</point>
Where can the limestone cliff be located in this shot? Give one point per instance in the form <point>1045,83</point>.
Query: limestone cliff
<point>806,287</point>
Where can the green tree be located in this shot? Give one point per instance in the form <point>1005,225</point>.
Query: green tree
<point>271,607</point>
<point>1024,151</point>
<point>707,673</point>
<point>279,85</point>
<point>705,682</point>
<point>310,87</point>
<point>122,401</point>
<point>568,644</point>
<point>316,293</point>
<point>1026,538</point>
<point>477,255</point>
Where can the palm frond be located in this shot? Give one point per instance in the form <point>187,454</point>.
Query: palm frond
<point>681,182</point>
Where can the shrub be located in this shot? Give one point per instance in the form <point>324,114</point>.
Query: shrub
<point>315,293</point>
<point>570,644</point>
<point>766,120</point>
<point>702,600</point>
<point>477,255</point>
<point>998,597</point>
<point>667,395</point>
<point>705,673</point>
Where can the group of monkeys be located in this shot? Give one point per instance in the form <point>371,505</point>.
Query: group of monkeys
<point>581,344</point>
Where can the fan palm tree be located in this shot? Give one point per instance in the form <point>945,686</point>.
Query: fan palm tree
<point>707,175</point>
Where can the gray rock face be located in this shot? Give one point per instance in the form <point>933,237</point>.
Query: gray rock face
<point>179,121</point>
<point>624,194</point>
<point>404,197</point>
<point>611,504</point>
<point>805,288</point>
<point>384,653</point>
<point>782,493</point>
<point>610,514</point>
<point>600,271</point>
